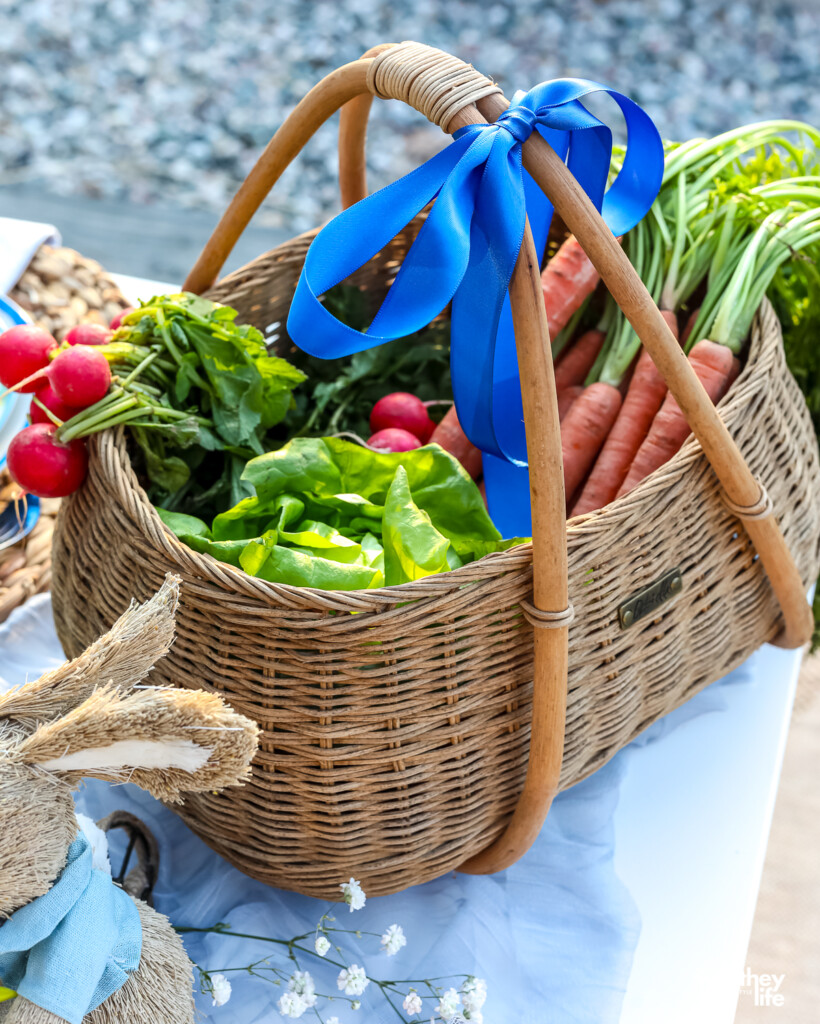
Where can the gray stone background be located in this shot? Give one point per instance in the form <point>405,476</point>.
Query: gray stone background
<point>130,123</point>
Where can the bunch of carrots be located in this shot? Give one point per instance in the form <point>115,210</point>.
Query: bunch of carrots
<point>731,211</point>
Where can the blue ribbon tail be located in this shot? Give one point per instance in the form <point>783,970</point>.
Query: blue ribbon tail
<point>507,483</point>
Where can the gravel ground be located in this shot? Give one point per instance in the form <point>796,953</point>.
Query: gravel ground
<point>170,101</point>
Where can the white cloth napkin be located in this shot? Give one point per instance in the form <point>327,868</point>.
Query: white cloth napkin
<point>19,241</point>
<point>554,935</point>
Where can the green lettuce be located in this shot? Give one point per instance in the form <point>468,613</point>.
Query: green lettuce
<point>333,515</point>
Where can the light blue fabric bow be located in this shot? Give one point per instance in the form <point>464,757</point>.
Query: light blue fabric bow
<point>466,250</point>
<point>70,949</point>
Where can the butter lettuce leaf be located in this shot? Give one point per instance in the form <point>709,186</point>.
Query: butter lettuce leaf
<point>330,514</point>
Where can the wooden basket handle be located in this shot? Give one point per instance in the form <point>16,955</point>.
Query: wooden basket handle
<point>453,94</point>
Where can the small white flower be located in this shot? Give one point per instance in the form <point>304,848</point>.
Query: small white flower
<point>291,1004</point>
<point>393,939</point>
<point>352,980</point>
<point>333,1020</point>
<point>474,1016</point>
<point>474,996</point>
<point>448,1004</point>
<point>304,986</point>
<point>355,1005</point>
<point>353,894</point>
<point>321,945</point>
<point>220,989</point>
<point>412,1002</point>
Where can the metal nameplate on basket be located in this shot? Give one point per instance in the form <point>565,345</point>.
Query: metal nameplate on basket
<point>646,601</point>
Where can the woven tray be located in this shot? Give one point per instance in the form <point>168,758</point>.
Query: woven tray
<point>25,568</point>
<point>59,290</point>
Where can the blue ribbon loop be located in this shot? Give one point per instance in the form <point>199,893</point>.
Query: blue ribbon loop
<point>466,249</point>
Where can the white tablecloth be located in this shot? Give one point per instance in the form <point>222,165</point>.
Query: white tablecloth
<point>555,936</point>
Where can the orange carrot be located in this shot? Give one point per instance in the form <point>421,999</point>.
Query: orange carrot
<point>712,363</point>
<point>565,399</point>
<point>587,423</point>
<point>567,280</point>
<point>690,324</point>
<point>646,393</point>
<point>453,440</point>
<point>577,360</point>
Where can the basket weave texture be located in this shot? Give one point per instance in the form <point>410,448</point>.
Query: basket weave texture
<point>396,721</point>
<point>61,288</point>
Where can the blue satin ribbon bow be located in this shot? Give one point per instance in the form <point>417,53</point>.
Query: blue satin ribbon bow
<point>466,250</point>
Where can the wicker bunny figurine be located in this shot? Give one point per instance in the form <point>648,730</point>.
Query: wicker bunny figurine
<point>72,944</point>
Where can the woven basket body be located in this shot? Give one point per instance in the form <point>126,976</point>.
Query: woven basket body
<point>396,721</point>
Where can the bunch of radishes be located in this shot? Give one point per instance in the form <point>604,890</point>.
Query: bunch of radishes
<point>400,422</point>
<point>63,380</point>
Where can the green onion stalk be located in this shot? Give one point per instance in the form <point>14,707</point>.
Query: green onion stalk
<point>731,210</point>
<point>732,301</point>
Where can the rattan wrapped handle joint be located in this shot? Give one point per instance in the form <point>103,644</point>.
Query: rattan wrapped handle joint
<point>538,618</point>
<point>761,509</point>
<point>435,83</point>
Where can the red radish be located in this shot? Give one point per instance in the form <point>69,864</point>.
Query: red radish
<point>393,439</point>
<point>405,411</point>
<point>24,350</point>
<point>44,466</point>
<point>453,440</point>
<point>116,323</point>
<point>51,401</point>
<point>80,376</point>
<point>88,334</point>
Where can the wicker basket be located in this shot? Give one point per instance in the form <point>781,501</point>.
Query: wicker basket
<point>411,729</point>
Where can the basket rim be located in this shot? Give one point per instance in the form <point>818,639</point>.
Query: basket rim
<point>765,337</point>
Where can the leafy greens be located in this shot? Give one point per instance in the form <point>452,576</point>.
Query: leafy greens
<point>330,514</point>
<point>201,395</point>
<point>340,393</point>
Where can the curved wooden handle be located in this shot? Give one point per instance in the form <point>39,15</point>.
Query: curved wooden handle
<point>349,83</point>
<point>323,100</point>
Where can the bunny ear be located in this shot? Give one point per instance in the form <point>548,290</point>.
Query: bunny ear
<point>167,741</point>
<point>124,656</point>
